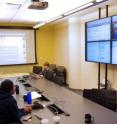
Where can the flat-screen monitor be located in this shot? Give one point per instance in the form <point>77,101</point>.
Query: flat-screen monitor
<point>114,40</point>
<point>98,30</point>
<point>98,52</point>
<point>98,41</point>
<point>114,52</point>
<point>114,28</point>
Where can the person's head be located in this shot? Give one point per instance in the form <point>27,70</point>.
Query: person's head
<point>46,65</point>
<point>8,86</point>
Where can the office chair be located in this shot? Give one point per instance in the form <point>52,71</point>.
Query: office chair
<point>37,69</point>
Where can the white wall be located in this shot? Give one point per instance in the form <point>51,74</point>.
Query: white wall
<point>74,54</point>
<point>89,70</point>
<point>70,52</point>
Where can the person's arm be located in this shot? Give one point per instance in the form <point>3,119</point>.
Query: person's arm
<point>14,110</point>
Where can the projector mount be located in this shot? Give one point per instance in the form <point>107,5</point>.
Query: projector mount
<point>38,4</point>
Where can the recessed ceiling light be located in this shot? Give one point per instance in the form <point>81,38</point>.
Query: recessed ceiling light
<point>77,9</point>
<point>99,0</point>
<point>39,25</point>
<point>54,19</point>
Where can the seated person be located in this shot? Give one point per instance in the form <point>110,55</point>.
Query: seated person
<point>45,68</point>
<point>47,72</point>
<point>46,65</point>
<point>9,111</point>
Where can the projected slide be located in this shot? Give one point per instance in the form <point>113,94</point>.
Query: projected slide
<point>114,52</point>
<point>17,46</point>
<point>114,27</point>
<point>10,55</point>
<point>98,52</point>
<point>99,30</point>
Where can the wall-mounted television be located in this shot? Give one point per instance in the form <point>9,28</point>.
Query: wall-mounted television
<point>98,30</point>
<point>101,40</point>
<point>98,51</point>
<point>114,40</point>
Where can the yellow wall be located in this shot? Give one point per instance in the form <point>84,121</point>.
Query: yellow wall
<point>67,50</point>
<point>61,43</point>
<point>45,48</point>
<point>45,45</point>
<point>15,69</point>
<point>17,24</point>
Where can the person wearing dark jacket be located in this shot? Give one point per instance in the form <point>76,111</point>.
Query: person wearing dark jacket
<point>9,111</point>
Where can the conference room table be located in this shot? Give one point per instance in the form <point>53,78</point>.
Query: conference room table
<point>73,104</point>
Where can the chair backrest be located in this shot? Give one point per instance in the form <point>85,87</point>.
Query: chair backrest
<point>52,67</point>
<point>48,74</point>
<point>60,71</point>
<point>37,69</point>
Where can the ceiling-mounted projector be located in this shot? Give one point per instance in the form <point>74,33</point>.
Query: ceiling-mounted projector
<point>38,4</point>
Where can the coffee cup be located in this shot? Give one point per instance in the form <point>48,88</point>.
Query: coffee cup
<point>44,121</point>
<point>56,119</point>
<point>89,118</point>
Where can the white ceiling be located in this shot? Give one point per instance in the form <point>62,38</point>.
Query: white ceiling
<point>18,12</point>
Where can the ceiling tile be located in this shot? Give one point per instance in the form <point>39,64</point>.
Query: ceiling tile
<point>7,11</point>
<point>17,10</point>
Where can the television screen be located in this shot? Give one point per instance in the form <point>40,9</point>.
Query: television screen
<point>114,40</point>
<point>114,52</point>
<point>98,41</point>
<point>114,28</point>
<point>99,30</point>
<point>98,52</point>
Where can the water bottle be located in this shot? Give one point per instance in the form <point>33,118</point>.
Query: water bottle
<point>29,98</point>
<point>56,119</point>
